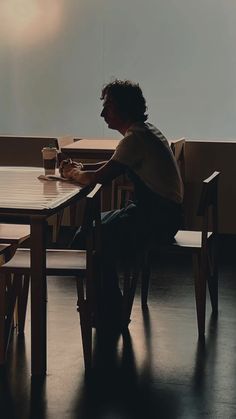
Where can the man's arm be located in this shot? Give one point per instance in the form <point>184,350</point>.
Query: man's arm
<point>93,166</point>
<point>106,173</point>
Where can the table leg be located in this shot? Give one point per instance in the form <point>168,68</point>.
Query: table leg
<point>38,297</point>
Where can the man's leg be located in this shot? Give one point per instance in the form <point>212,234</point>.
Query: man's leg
<point>117,236</point>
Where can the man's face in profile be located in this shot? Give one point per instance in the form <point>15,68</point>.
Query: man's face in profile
<point>110,113</point>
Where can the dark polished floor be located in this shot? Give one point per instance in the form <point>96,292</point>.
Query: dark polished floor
<point>158,370</point>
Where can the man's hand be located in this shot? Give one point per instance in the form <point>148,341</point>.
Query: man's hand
<point>67,167</point>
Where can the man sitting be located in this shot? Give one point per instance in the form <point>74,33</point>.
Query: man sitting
<point>145,156</point>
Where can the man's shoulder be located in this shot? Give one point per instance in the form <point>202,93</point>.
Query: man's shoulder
<point>153,130</point>
<point>145,128</point>
<point>139,130</point>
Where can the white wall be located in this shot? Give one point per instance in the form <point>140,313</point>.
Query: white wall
<point>55,56</point>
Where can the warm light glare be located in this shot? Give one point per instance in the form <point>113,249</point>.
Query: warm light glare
<point>27,22</point>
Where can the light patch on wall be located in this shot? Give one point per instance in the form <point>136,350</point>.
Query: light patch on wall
<point>26,23</point>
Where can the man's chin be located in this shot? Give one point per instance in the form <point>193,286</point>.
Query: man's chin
<point>111,126</point>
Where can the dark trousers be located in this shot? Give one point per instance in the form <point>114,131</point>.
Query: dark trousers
<point>126,232</point>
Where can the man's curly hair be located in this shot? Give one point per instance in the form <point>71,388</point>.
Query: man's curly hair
<point>128,98</point>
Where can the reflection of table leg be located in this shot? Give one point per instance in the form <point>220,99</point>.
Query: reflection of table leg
<point>38,297</point>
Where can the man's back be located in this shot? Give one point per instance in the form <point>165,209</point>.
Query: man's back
<point>146,152</point>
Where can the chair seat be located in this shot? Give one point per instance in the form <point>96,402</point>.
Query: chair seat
<point>14,233</point>
<point>189,239</point>
<point>58,262</point>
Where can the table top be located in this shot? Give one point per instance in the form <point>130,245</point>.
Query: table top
<point>21,190</point>
<point>95,145</point>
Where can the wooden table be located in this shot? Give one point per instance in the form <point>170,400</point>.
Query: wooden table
<point>23,197</point>
<point>87,149</point>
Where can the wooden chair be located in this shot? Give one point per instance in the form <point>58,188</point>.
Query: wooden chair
<point>82,264</point>
<point>122,192</point>
<point>203,247</point>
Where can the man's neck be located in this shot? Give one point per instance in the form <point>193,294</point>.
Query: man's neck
<point>124,127</point>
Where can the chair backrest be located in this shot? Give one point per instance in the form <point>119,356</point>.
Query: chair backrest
<point>91,227</point>
<point>178,149</point>
<point>24,151</point>
<point>92,217</point>
<point>208,205</point>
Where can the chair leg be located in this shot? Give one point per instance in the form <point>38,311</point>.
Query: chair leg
<point>213,291</point>
<point>12,294</point>
<point>145,277</point>
<point>126,288</point>
<point>86,333</point>
<point>2,318</point>
<point>213,280</point>
<point>200,291</point>
<point>133,286</point>
<point>22,303</point>
<point>85,325</point>
<point>9,289</point>
<point>130,284</point>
